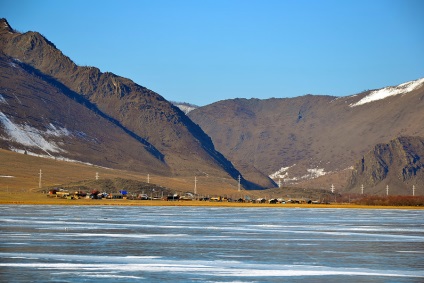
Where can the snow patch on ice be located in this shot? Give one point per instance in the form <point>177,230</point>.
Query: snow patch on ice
<point>32,137</point>
<point>389,91</point>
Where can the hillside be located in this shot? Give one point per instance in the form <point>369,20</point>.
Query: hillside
<point>397,164</point>
<point>161,128</point>
<point>313,140</point>
<point>19,173</point>
<point>41,119</point>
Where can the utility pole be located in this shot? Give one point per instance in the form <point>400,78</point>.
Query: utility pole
<point>413,190</point>
<point>387,190</point>
<point>148,178</point>
<point>362,189</point>
<point>195,185</point>
<point>97,176</point>
<point>279,183</point>
<point>332,188</point>
<point>39,179</point>
<point>239,178</point>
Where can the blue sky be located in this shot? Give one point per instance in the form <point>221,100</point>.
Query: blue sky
<point>209,50</point>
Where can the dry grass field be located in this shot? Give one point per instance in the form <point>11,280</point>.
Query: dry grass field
<point>42,199</point>
<point>19,174</point>
<point>19,184</point>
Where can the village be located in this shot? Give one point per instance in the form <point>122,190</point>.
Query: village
<point>125,195</point>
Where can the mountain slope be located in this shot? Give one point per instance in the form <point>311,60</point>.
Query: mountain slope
<point>182,145</point>
<point>397,164</point>
<point>38,118</point>
<point>302,138</point>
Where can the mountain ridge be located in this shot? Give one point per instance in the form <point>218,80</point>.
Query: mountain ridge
<point>34,116</point>
<point>311,136</point>
<point>304,141</point>
<point>185,147</point>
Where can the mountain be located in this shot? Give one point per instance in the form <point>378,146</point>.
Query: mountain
<point>38,118</point>
<point>312,140</point>
<point>398,164</point>
<point>158,127</point>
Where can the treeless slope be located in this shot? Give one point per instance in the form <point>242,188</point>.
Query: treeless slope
<point>310,135</point>
<point>397,164</point>
<point>44,119</point>
<point>185,147</point>
<point>19,173</point>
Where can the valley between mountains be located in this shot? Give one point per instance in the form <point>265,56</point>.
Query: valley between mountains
<point>53,108</point>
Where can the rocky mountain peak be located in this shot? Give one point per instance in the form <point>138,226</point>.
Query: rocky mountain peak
<point>4,26</point>
<point>181,145</point>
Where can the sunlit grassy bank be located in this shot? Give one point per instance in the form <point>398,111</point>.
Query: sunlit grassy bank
<point>20,184</point>
<point>42,199</point>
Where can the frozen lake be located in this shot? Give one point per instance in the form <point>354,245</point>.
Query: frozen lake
<point>203,244</point>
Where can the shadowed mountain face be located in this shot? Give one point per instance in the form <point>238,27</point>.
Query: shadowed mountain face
<point>160,129</point>
<point>311,140</point>
<point>44,119</point>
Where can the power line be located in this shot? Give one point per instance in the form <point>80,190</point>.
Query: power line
<point>195,185</point>
<point>39,179</point>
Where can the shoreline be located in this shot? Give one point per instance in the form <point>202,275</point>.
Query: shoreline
<point>193,203</point>
<point>32,198</point>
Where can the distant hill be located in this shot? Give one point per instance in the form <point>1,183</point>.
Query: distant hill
<point>312,140</point>
<point>54,90</point>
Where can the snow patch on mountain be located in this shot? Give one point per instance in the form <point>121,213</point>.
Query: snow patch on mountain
<point>2,99</point>
<point>185,107</point>
<point>13,65</point>
<point>282,173</point>
<point>57,132</point>
<point>311,174</point>
<point>58,158</point>
<point>389,91</point>
<point>32,137</point>
<point>315,173</point>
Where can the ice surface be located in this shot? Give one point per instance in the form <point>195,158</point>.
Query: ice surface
<point>261,244</point>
